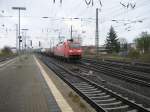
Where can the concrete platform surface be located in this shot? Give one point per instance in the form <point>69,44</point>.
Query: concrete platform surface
<point>23,88</point>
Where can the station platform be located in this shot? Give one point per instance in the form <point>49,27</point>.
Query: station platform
<point>25,87</point>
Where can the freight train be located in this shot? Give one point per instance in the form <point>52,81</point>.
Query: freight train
<point>69,49</point>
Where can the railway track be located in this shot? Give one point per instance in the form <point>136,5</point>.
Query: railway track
<point>99,97</point>
<point>119,84</point>
<point>130,63</point>
<point>143,67</point>
<point>117,72</point>
<point>5,59</point>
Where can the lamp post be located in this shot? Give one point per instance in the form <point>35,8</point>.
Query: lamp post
<point>16,37</point>
<point>19,9</point>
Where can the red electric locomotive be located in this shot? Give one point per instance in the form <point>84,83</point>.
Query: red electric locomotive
<point>69,49</point>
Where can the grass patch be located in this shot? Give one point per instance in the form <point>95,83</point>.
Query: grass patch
<point>19,66</point>
<point>70,94</point>
<point>25,57</point>
<point>6,55</point>
<point>145,58</point>
<point>75,98</point>
<point>82,105</point>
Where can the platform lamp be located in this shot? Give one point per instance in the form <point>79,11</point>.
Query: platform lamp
<point>19,9</point>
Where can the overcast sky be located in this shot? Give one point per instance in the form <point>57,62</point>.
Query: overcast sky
<point>130,22</point>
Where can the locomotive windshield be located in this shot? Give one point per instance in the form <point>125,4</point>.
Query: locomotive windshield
<point>73,45</point>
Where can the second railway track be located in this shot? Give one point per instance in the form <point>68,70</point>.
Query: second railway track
<point>123,65</point>
<point>119,73</point>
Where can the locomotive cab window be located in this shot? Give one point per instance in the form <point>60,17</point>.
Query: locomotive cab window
<point>73,45</point>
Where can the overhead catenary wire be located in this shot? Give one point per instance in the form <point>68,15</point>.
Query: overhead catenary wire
<point>127,13</point>
<point>86,19</point>
<point>88,2</point>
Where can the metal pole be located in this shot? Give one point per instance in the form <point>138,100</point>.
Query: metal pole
<point>71,31</point>
<point>17,38</point>
<point>50,44</point>
<point>31,43</point>
<point>97,35</point>
<point>25,36</point>
<point>59,37</point>
<point>19,22</point>
<point>25,41</point>
<point>22,44</point>
<point>19,30</point>
<point>39,44</point>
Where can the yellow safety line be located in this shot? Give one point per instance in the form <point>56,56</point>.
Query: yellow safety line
<point>62,103</point>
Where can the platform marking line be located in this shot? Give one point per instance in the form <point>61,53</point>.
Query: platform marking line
<point>62,103</point>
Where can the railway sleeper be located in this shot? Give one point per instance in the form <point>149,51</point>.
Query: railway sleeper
<point>112,105</point>
<point>92,92</point>
<point>134,110</point>
<point>100,97</point>
<point>86,87</point>
<point>62,72</point>
<point>88,90</point>
<point>123,108</point>
<point>96,94</point>
<point>104,101</point>
<point>73,81</point>
<point>82,85</point>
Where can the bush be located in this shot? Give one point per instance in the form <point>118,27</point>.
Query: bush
<point>6,51</point>
<point>134,54</point>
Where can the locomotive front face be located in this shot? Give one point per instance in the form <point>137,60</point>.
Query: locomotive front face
<point>75,50</point>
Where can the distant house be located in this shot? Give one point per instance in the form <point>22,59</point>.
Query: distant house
<point>132,45</point>
<point>129,47</point>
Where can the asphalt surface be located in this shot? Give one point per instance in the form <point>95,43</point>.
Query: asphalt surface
<point>23,89</point>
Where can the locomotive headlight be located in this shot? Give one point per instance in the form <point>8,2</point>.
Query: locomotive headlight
<point>70,51</point>
<point>79,50</point>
